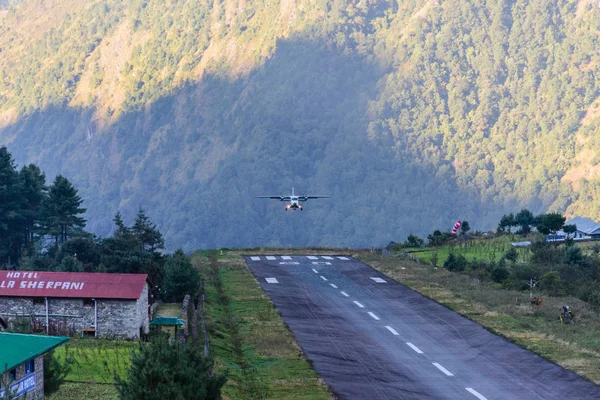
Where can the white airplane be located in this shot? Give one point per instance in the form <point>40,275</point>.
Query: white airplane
<point>293,199</point>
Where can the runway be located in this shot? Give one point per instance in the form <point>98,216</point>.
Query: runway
<point>369,337</point>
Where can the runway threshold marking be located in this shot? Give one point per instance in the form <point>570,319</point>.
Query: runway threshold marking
<point>271,280</point>
<point>476,394</point>
<point>374,316</point>
<point>255,258</point>
<point>312,257</point>
<point>328,258</point>
<point>289,263</point>
<point>415,348</point>
<point>333,286</point>
<point>344,258</point>
<point>315,271</point>
<point>444,370</point>
<point>389,328</point>
<point>322,277</point>
<point>286,257</point>
<point>271,258</point>
<point>358,304</point>
<point>378,280</point>
<point>321,263</point>
<point>345,294</point>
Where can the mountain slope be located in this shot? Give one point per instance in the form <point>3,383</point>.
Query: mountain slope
<point>410,114</point>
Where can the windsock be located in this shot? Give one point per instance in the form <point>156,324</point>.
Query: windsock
<point>456,227</point>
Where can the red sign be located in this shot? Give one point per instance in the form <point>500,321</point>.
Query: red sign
<point>71,284</point>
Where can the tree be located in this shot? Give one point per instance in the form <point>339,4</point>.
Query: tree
<point>56,371</point>
<point>11,210</point>
<point>569,229</point>
<point>500,274</point>
<point>181,277</point>
<point>552,222</point>
<point>511,254</point>
<point>464,228</point>
<point>34,192</point>
<point>413,241</point>
<point>61,210</point>
<point>455,263</point>
<point>177,371</point>
<point>524,219</point>
<point>506,223</point>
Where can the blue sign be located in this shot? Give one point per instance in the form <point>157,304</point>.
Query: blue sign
<point>21,386</point>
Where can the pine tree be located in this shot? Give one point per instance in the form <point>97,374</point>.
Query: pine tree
<point>181,277</point>
<point>61,210</point>
<point>11,210</point>
<point>177,371</point>
<point>34,192</point>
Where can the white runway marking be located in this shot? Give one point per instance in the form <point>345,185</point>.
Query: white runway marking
<point>378,280</point>
<point>328,258</point>
<point>374,316</point>
<point>345,294</point>
<point>389,328</point>
<point>344,258</point>
<point>312,257</point>
<point>415,348</point>
<point>289,263</point>
<point>321,263</point>
<point>271,258</point>
<point>255,258</point>
<point>474,393</point>
<point>315,271</point>
<point>358,304</point>
<point>286,257</point>
<point>271,280</point>
<point>322,277</point>
<point>444,370</point>
<point>333,286</point>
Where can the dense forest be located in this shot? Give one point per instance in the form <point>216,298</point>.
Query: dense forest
<point>410,114</point>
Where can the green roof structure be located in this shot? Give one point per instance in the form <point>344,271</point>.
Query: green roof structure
<point>17,348</point>
<point>167,321</point>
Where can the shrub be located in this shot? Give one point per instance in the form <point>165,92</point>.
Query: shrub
<point>55,371</point>
<point>500,274</point>
<point>455,263</point>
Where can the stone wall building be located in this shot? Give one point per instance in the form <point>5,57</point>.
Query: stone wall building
<point>22,364</point>
<point>69,303</point>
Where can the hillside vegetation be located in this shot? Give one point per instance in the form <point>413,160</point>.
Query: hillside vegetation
<point>410,114</point>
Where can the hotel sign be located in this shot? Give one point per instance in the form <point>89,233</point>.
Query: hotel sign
<point>21,386</point>
<point>32,280</point>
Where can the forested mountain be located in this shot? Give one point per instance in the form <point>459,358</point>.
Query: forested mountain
<point>411,114</point>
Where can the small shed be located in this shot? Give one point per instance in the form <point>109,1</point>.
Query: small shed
<point>22,362</point>
<point>167,324</point>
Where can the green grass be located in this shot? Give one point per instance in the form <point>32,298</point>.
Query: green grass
<point>271,365</point>
<point>168,310</point>
<point>485,250</point>
<point>507,312</point>
<point>88,391</point>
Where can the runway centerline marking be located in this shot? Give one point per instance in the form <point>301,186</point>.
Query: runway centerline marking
<point>321,263</point>
<point>271,280</point>
<point>415,348</point>
<point>358,304</point>
<point>389,328</point>
<point>312,257</point>
<point>374,316</point>
<point>378,280</point>
<point>476,394</point>
<point>322,277</point>
<point>333,286</point>
<point>255,258</point>
<point>315,271</point>
<point>344,258</point>
<point>289,263</point>
<point>345,294</point>
<point>444,370</point>
<point>271,258</point>
<point>286,257</point>
<point>328,258</point>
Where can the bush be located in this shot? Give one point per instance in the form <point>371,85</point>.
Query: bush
<point>177,371</point>
<point>181,278</point>
<point>55,371</point>
<point>500,274</point>
<point>550,281</point>
<point>455,263</point>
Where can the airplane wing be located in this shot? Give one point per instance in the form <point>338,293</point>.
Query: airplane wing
<point>280,198</point>
<point>304,198</point>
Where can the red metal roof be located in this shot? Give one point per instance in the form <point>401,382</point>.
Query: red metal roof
<point>71,284</point>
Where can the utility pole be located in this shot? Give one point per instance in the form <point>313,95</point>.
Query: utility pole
<point>532,283</point>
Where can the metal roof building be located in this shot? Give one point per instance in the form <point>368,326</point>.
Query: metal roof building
<point>22,361</point>
<point>66,303</point>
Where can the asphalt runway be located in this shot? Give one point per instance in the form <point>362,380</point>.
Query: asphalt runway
<point>369,337</point>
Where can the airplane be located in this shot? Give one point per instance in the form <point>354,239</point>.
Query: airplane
<point>293,199</point>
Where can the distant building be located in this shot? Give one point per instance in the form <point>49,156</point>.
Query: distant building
<point>587,229</point>
<point>22,363</point>
<point>69,303</point>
